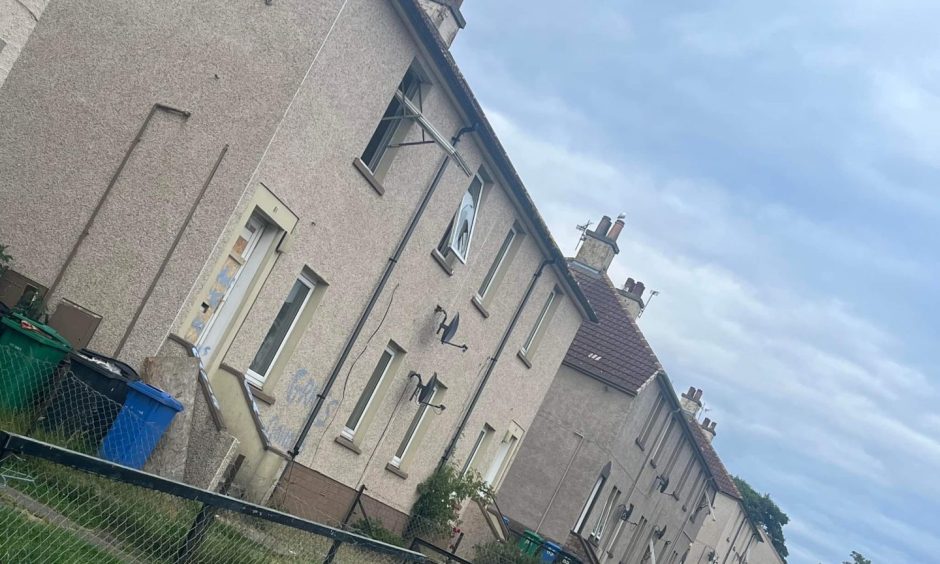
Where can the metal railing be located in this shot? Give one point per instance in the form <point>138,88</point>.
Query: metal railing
<point>58,505</point>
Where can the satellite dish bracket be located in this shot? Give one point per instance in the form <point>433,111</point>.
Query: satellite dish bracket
<point>423,392</point>
<point>449,330</point>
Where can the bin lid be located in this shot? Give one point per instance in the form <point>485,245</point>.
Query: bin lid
<point>105,365</point>
<point>532,535</point>
<point>36,331</point>
<point>553,546</point>
<point>156,394</point>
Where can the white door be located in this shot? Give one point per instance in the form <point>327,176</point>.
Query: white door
<point>229,287</point>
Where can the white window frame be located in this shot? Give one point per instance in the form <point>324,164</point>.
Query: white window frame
<point>527,347</point>
<point>398,457</point>
<point>452,245</point>
<point>597,532</point>
<point>311,285</point>
<point>503,454</point>
<point>493,272</point>
<point>588,505</point>
<point>350,433</point>
<point>476,449</point>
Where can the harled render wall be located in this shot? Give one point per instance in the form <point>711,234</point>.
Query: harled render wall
<point>68,115</point>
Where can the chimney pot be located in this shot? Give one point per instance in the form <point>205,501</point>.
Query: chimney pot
<point>691,393</point>
<point>638,289</point>
<point>712,428</point>
<point>616,229</point>
<point>603,227</point>
<point>631,283</point>
<point>698,394</point>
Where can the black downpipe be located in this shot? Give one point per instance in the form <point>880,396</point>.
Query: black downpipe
<point>389,268</point>
<point>495,358</point>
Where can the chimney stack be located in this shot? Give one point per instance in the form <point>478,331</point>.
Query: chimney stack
<point>691,401</point>
<point>631,296</point>
<point>599,246</point>
<point>446,17</point>
<point>708,426</point>
<point>614,232</point>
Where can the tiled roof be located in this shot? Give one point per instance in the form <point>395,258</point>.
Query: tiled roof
<point>715,466</point>
<point>612,350</point>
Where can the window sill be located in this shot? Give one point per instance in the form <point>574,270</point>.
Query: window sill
<point>397,471</point>
<point>441,260</point>
<point>370,178</point>
<point>346,443</point>
<point>478,303</point>
<point>652,463</point>
<point>259,394</point>
<point>640,444</point>
<point>525,360</point>
<point>674,496</point>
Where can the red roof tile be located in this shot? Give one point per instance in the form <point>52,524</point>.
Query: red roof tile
<point>612,350</point>
<point>715,466</point>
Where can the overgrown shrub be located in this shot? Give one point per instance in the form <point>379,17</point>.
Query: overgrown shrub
<point>436,514</point>
<point>372,528</point>
<point>501,553</point>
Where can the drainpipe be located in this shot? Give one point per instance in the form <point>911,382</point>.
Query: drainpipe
<point>376,293</point>
<point>551,500</point>
<point>493,360</point>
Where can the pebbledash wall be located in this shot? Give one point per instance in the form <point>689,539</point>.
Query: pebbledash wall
<point>155,136</point>
<point>611,429</point>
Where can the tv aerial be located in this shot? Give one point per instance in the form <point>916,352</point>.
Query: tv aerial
<point>447,331</point>
<point>424,392</point>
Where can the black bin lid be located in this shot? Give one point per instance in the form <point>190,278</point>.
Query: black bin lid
<point>105,365</point>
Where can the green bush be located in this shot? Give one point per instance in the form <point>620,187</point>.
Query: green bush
<point>501,553</point>
<point>372,528</point>
<point>436,514</point>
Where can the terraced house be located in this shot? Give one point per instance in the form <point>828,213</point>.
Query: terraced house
<point>611,469</point>
<point>279,210</point>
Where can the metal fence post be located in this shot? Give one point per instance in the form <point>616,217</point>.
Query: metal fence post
<point>331,555</point>
<point>197,532</point>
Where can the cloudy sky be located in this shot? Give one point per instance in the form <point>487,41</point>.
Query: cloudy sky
<point>779,165</point>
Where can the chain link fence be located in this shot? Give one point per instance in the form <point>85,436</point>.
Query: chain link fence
<point>71,491</point>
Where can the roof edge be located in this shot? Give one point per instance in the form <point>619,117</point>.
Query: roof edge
<point>440,55</point>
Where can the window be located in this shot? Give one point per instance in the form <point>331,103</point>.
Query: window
<point>481,438</point>
<point>500,461</point>
<point>703,503</point>
<point>635,539</point>
<point>456,240</point>
<point>501,257</point>
<point>589,504</point>
<point>540,323</point>
<point>618,531</point>
<point>391,123</point>
<point>685,476</point>
<point>598,531</point>
<point>416,423</point>
<point>699,477</point>
<point>370,392</point>
<point>661,442</point>
<point>674,456</point>
<point>650,423</point>
<point>281,328</point>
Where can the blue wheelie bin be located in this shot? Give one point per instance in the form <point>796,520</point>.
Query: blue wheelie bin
<point>146,415</point>
<point>549,552</point>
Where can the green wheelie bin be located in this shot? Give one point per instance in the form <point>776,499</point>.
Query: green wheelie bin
<point>29,354</point>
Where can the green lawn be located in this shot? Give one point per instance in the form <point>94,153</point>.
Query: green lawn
<point>27,539</point>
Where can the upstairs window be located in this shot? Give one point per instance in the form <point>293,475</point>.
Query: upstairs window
<point>540,323</point>
<point>502,259</point>
<point>597,533</point>
<point>393,124</point>
<point>650,423</point>
<point>456,241</point>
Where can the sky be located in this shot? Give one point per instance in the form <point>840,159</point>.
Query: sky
<point>778,164</point>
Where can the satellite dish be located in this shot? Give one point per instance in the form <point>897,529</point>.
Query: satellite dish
<point>424,392</point>
<point>449,330</point>
<point>427,390</point>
